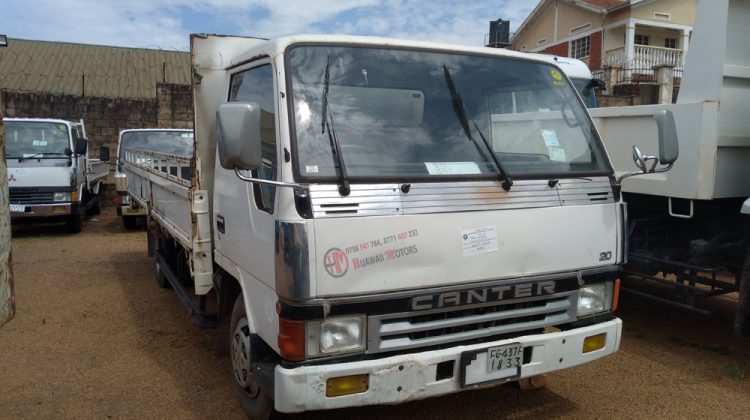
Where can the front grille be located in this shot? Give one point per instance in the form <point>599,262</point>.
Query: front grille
<point>30,197</point>
<point>455,325</point>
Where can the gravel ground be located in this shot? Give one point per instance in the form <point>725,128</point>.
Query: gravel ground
<point>95,337</point>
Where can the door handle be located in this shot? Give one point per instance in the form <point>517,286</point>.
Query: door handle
<point>220,223</point>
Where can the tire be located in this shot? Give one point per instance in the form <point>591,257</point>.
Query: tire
<point>96,208</point>
<point>161,279</point>
<point>75,223</point>
<point>256,403</point>
<point>129,222</point>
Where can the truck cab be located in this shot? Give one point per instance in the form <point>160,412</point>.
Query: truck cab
<point>384,220</point>
<point>51,177</point>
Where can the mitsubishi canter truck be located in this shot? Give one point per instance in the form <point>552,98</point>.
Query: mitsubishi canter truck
<point>374,221</point>
<point>50,175</point>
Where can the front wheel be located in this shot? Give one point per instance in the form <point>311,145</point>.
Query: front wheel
<point>75,223</point>
<point>256,403</point>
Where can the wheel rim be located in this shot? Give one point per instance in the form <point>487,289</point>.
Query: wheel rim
<point>242,364</point>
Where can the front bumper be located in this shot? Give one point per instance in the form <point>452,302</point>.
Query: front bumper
<point>43,210</point>
<point>408,377</point>
<point>128,211</point>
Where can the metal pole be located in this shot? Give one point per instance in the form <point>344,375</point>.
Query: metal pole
<point>7,301</point>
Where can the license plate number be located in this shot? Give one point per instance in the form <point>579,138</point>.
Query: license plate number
<point>17,208</point>
<point>504,357</point>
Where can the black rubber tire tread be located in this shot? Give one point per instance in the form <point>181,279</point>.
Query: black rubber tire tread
<point>260,407</point>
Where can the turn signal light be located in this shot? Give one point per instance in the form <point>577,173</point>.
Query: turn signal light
<point>616,296</point>
<point>292,339</point>
<point>346,385</point>
<point>595,342</point>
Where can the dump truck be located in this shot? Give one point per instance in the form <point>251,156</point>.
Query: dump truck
<point>51,177</point>
<point>373,221</point>
<point>689,229</point>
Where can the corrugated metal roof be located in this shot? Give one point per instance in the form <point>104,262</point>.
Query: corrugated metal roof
<point>90,70</point>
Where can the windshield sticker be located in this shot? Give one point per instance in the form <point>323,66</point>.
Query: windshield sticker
<point>556,154</point>
<point>311,169</point>
<point>39,143</point>
<point>550,138</point>
<point>370,253</point>
<point>63,128</point>
<point>481,240</point>
<point>557,79</point>
<point>452,168</point>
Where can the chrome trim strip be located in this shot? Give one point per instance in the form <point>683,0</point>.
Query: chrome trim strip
<point>341,300</point>
<point>292,262</point>
<point>441,197</point>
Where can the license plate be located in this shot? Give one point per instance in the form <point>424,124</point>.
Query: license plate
<point>491,365</point>
<point>504,357</point>
<point>17,208</point>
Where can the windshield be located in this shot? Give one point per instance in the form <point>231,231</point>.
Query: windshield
<point>24,139</point>
<point>172,142</point>
<point>587,94</point>
<point>395,117</point>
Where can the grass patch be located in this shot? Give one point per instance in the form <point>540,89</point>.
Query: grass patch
<point>716,349</point>
<point>177,344</point>
<point>737,370</point>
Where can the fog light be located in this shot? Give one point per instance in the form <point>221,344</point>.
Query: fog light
<point>346,385</point>
<point>595,342</point>
<point>59,209</point>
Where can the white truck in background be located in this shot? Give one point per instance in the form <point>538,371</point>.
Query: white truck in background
<point>694,222</point>
<point>165,140</point>
<point>50,175</point>
<point>379,221</point>
<point>580,75</point>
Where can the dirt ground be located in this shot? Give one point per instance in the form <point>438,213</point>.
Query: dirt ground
<point>95,337</point>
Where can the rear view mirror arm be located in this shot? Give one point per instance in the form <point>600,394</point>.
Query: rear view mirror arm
<point>301,190</point>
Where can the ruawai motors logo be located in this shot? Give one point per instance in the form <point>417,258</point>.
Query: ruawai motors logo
<point>336,262</point>
<point>12,177</point>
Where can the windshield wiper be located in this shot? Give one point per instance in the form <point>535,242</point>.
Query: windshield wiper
<point>40,155</point>
<point>463,117</point>
<point>327,122</point>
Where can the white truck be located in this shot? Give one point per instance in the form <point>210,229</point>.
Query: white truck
<point>580,75</point>
<point>694,222</point>
<point>50,175</point>
<point>166,140</point>
<point>382,220</point>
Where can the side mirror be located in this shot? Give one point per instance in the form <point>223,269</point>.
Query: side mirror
<point>68,152</point>
<point>638,158</point>
<point>595,84</point>
<point>669,149</point>
<point>104,154</point>
<point>81,145</point>
<point>238,126</point>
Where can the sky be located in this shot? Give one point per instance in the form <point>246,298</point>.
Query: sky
<point>166,24</point>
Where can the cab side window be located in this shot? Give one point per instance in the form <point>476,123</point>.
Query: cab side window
<point>256,85</point>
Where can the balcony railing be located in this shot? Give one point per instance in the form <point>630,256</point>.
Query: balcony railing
<point>645,57</point>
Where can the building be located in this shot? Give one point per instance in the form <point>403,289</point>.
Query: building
<point>630,35</point>
<point>110,88</point>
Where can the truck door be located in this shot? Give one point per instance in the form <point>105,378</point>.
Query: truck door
<point>245,212</point>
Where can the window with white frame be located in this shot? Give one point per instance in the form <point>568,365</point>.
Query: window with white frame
<point>670,43</point>
<point>580,48</point>
<point>640,39</point>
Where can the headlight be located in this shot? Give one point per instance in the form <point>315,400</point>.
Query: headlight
<point>594,298</point>
<point>335,335</point>
<point>61,196</point>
